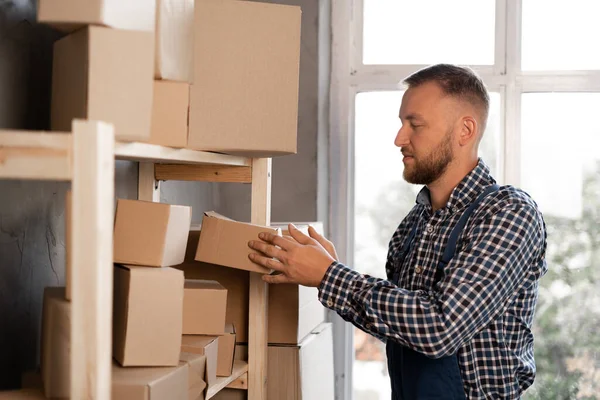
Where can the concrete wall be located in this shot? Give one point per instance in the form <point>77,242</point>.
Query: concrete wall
<point>32,251</point>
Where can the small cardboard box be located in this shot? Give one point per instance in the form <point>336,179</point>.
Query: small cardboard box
<point>204,307</point>
<point>197,373</point>
<point>174,40</point>
<point>301,372</point>
<point>91,69</point>
<point>70,15</point>
<point>169,383</point>
<point>226,351</point>
<point>56,343</point>
<point>24,394</point>
<point>244,97</point>
<point>147,316</point>
<point>204,346</point>
<point>225,242</point>
<point>150,234</point>
<point>170,114</point>
<point>236,281</point>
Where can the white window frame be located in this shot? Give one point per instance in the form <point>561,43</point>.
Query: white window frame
<point>349,76</point>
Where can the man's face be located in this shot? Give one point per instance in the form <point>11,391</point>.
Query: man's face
<point>426,136</point>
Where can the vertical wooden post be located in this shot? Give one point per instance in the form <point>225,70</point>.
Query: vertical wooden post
<point>257,329</point>
<point>148,187</point>
<point>92,269</point>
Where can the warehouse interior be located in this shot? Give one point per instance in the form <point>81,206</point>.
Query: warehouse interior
<point>330,94</point>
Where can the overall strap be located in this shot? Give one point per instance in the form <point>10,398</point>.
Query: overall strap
<point>451,245</point>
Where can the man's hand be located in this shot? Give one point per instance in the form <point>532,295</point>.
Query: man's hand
<point>303,260</point>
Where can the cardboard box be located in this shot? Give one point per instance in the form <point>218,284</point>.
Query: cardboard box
<point>197,373</point>
<point>204,346</point>
<point>147,316</point>
<point>70,15</point>
<point>226,351</point>
<point>302,227</point>
<point>150,234</point>
<point>91,69</point>
<point>68,249</point>
<point>302,372</point>
<point>170,114</point>
<point>174,40</point>
<point>150,383</point>
<point>225,242</point>
<point>244,97</point>
<point>56,343</point>
<point>204,307</point>
<point>24,394</point>
<point>294,311</point>
<point>236,281</point>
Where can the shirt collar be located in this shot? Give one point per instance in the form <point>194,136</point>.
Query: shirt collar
<point>466,191</point>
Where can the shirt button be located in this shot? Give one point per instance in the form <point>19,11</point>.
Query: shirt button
<point>418,269</point>
<point>430,229</point>
<point>329,303</point>
<point>368,326</point>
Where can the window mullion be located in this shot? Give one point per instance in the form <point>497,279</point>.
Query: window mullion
<point>512,99</point>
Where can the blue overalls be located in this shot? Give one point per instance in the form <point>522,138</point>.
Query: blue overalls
<point>413,375</point>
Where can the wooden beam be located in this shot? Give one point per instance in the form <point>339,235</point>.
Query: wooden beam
<point>239,383</point>
<point>148,186</point>
<point>35,155</point>
<point>257,323</point>
<point>239,369</point>
<point>92,269</point>
<point>207,173</point>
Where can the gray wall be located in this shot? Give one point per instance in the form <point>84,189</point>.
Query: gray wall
<point>32,251</point>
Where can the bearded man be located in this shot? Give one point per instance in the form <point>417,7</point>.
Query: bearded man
<point>463,267</point>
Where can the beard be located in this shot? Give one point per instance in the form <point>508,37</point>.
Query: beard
<point>432,167</point>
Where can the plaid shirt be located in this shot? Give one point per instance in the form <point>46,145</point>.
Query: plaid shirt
<point>483,306</point>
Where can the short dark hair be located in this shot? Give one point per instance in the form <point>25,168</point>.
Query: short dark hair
<point>460,82</point>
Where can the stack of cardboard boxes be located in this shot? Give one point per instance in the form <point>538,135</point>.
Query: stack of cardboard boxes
<point>208,75</point>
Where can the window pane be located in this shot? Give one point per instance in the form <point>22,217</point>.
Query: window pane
<point>382,199</point>
<point>428,32</point>
<point>560,35</point>
<point>561,170</point>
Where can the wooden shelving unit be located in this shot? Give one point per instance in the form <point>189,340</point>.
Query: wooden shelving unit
<point>86,157</point>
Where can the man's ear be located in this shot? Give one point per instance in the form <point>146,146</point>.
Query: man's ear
<point>468,130</point>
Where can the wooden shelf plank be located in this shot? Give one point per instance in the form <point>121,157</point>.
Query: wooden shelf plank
<point>207,173</point>
<point>35,155</point>
<point>239,369</point>
<point>136,151</point>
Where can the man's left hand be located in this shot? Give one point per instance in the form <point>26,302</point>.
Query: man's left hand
<point>300,259</point>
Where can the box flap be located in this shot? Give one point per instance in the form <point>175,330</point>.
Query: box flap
<point>214,214</point>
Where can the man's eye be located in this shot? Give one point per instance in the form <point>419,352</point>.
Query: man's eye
<point>415,126</point>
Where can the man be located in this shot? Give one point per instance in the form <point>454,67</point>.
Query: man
<point>457,308</point>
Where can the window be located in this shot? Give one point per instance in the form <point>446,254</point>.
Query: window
<point>540,64</point>
<point>560,162</point>
<point>557,35</point>
<point>407,32</point>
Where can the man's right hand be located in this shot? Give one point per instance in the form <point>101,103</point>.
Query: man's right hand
<point>327,245</point>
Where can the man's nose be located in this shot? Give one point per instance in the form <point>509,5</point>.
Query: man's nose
<point>402,137</point>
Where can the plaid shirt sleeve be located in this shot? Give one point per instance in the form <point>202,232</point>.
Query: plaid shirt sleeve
<point>477,283</point>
